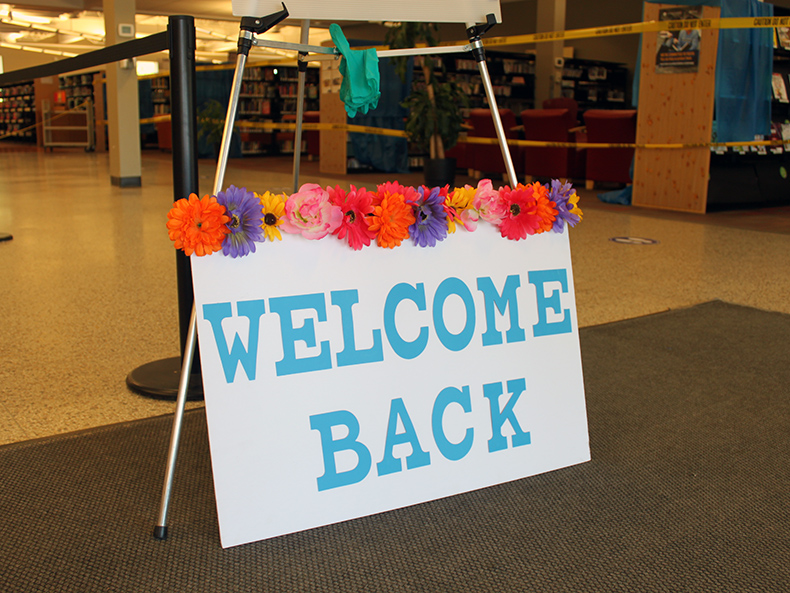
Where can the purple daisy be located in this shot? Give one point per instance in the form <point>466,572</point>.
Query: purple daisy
<point>430,225</point>
<point>244,210</point>
<point>560,194</point>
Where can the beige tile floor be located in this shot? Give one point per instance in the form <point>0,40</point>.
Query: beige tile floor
<point>88,288</point>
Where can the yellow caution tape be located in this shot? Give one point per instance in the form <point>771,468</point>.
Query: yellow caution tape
<point>153,120</point>
<point>537,143</point>
<point>339,127</point>
<point>646,27</point>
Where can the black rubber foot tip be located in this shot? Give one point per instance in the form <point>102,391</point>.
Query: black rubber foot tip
<point>160,532</point>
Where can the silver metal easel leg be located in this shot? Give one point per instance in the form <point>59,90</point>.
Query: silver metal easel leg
<point>160,530</point>
<point>500,130</point>
<point>304,39</point>
<point>250,26</point>
<point>475,32</point>
<point>230,118</point>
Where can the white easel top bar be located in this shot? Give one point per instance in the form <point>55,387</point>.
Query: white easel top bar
<point>331,53</point>
<point>428,11</point>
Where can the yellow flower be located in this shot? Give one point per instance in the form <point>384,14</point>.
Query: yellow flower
<point>573,200</point>
<point>273,209</point>
<point>456,203</point>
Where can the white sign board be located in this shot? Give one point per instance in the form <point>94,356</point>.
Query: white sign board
<point>343,383</point>
<point>428,11</point>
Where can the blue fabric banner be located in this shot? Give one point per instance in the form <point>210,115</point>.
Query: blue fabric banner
<point>743,72</point>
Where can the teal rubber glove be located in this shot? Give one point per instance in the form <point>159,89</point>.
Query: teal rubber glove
<point>359,90</point>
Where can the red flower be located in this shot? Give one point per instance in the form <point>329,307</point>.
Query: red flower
<point>522,213</point>
<point>356,205</point>
<point>410,194</point>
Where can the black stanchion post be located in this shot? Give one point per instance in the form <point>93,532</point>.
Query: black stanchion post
<point>160,379</point>
<point>185,157</point>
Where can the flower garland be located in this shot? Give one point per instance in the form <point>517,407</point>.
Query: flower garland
<point>236,219</point>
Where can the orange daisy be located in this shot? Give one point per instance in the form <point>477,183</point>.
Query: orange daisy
<point>197,225</point>
<point>391,219</point>
<point>546,209</point>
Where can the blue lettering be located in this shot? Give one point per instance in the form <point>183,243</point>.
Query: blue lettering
<point>345,300</point>
<point>323,423</point>
<point>459,341</point>
<point>447,396</point>
<point>284,306</point>
<point>492,391</point>
<point>506,300</point>
<point>403,292</point>
<point>543,327</point>
<point>230,358</point>
<point>418,458</point>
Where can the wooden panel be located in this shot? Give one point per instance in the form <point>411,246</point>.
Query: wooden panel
<point>675,108</point>
<point>332,153</point>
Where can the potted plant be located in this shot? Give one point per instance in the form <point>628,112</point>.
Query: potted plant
<point>211,124</point>
<point>435,118</point>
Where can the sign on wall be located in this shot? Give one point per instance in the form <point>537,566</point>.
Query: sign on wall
<point>677,49</point>
<point>343,383</point>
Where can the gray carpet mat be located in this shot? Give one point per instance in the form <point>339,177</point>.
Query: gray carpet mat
<point>687,490</point>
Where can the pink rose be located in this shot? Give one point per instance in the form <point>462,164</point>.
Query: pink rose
<point>310,213</point>
<point>469,218</point>
<point>489,203</point>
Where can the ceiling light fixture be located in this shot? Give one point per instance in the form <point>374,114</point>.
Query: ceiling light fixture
<point>215,35</point>
<point>12,20</point>
<point>29,18</point>
<point>34,27</point>
<point>39,50</point>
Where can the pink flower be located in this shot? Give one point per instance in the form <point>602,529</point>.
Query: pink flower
<point>488,202</point>
<point>310,213</point>
<point>355,205</point>
<point>522,217</point>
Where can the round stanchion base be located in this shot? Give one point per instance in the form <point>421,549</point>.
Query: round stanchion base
<point>159,380</point>
<point>5,237</point>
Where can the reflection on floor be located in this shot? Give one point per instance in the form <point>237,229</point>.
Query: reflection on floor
<point>89,289</point>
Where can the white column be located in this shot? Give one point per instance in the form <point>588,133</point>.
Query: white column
<point>123,111</point>
<point>548,77</point>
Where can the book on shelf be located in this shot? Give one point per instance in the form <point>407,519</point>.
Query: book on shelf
<point>779,88</point>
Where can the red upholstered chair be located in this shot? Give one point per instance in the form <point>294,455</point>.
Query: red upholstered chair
<point>461,152</point>
<point>311,137</point>
<point>487,158</point>
<point>563,103</point>
<point>164,134</point>
<point>551,125</point>
<point>610,126</point>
